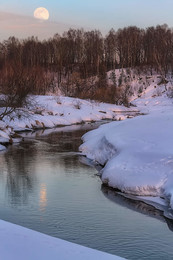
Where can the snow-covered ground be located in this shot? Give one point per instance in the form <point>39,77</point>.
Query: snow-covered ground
<point>137,154</point>
<point>51,111</point>
<point>19,243</point>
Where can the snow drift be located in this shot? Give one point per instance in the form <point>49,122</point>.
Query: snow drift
<point>138,154</point>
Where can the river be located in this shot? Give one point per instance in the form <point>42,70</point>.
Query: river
<point>47,186</point>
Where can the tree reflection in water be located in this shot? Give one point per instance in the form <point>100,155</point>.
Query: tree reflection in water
<point>20,163</point>
<point>19,173</point>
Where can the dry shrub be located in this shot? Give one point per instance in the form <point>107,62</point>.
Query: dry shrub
<point>104,94</point>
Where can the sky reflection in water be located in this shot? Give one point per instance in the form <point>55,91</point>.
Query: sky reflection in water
<point>44,186</point>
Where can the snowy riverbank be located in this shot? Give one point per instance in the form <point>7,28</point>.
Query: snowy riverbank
<point>137,154</point>
<point>51,111</point>
<point>18,243</point>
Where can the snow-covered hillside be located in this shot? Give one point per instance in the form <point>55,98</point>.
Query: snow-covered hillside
<point>137,154</point>
<point>144,91</point>
<point>138,83</point>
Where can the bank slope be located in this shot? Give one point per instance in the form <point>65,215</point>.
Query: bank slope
<point>137,154</point>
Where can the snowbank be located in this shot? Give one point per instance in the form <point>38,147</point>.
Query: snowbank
<point>7,136</point>
<point>2,147</point>
<point>137,154</point>
<point>18,243</point>
<point>50,111</point>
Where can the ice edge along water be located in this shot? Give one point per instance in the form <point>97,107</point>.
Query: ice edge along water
<point>21,243</point>
<point>137,154</point>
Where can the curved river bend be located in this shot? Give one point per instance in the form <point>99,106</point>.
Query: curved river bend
<point>45,186</point>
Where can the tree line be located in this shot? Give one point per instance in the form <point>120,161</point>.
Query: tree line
<point>77,61</point>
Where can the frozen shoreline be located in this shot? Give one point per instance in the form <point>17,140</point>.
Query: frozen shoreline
<point>137,153</point>
<point>51,111</point>
<point>18,243</point>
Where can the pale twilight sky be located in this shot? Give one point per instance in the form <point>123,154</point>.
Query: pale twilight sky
<point>16,16</point>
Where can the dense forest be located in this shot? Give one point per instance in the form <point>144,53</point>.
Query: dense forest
<point>77,62</point>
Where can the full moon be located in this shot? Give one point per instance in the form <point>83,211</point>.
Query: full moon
<point>41,13</point>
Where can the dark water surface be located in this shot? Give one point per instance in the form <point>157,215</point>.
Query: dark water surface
<point>45,186</point>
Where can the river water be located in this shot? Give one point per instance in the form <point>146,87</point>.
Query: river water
<point>47,186</point>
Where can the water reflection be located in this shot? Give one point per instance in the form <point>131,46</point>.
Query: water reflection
<point>64,129</point>
<point>19,174</point>
<point>43,197</point>
<point>50,150</point>
<point>136,205</point>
